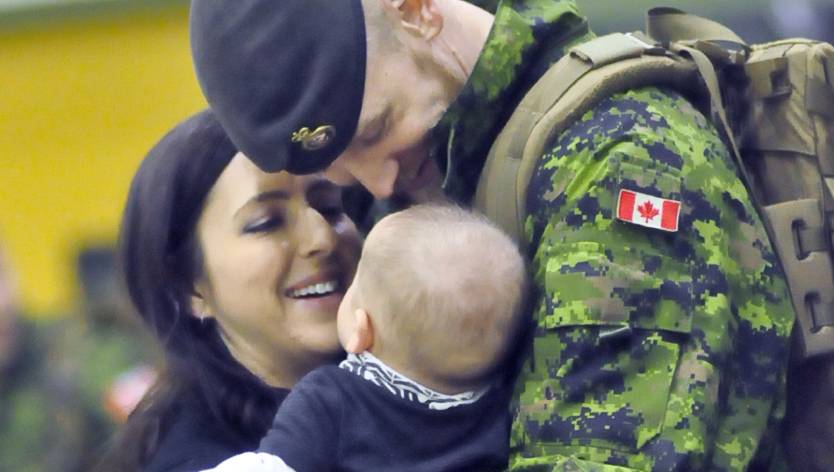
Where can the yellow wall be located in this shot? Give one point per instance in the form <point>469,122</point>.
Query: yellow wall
<point>81,101</point>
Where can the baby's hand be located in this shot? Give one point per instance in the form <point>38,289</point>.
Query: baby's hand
<point>252,462</point>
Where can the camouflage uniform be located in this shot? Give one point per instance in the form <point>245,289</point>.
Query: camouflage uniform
<point>653,350</point>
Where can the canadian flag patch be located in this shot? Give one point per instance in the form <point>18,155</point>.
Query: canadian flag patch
<point>646,210</point>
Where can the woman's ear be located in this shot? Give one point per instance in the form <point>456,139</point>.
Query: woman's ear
<point>418,17</point>
<point>362,337</point>
<point>200,307</point>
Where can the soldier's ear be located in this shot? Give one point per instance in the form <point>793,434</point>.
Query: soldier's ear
<point>420,18</point>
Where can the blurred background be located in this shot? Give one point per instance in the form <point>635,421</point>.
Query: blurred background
<point>87,87</point>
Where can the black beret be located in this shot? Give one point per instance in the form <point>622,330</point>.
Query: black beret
<point>285,78</point>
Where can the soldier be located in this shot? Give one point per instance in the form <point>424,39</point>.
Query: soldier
<point>38,429</point>
<point>53,386</point>
<point>661,350</point>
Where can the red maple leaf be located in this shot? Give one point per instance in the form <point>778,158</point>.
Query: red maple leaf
<point>648,211</point>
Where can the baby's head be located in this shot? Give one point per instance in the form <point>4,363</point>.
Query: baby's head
<point>437,296</point>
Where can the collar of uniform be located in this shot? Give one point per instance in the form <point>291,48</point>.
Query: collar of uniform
<point>527,37</point>
<point>372,369</point>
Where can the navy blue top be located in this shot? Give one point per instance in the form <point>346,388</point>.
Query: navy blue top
<point>334,420</point>
<point>198,440</point>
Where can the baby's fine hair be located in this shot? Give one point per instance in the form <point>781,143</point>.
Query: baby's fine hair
<point>448,283</point>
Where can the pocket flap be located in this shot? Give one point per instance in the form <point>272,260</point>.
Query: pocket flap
<point>587,285</point>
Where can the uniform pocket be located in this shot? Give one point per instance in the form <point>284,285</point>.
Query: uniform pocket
<point>605,354</point>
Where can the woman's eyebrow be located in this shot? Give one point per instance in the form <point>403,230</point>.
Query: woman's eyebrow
<point>271,195</point>
<point>263,197</point>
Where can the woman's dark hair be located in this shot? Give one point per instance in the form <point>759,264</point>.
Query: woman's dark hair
<point>161,259</point>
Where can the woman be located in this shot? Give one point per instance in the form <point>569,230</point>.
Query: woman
<point>239,274</point>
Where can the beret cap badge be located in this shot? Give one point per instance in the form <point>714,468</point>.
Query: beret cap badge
<point>314,140</point>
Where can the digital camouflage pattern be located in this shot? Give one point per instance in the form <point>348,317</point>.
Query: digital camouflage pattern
<point>653,350</point>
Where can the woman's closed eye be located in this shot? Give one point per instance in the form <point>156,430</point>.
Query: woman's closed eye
<point>264,224</point>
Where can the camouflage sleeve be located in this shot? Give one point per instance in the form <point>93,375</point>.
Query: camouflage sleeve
<point>653,350</point>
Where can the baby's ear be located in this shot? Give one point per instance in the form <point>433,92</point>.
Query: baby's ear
<point>362,338</point>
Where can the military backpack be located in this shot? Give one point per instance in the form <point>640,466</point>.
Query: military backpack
<point>773,104</point>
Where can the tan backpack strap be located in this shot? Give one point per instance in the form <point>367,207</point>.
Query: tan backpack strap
<point>496,191</point>
<point>670,25</point>
<point>502,189</point>
<point>717,112</point>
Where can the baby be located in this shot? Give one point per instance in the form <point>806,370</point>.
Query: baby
<point>428,323</point>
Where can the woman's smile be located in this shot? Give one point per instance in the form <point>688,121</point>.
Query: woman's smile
<point>321,291</point>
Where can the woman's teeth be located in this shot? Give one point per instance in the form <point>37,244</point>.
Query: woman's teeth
<point>315,290</point>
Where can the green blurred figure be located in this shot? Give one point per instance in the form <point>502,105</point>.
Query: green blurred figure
<point>103,357</point>
<point>34,424</point>
<point>65,385</point>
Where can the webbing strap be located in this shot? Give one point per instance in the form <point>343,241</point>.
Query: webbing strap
<point>501,192</point>
<point>669,25</point>
<point>561,77</point>
<point>554,83</point>
<point>719,116</point>
<point>501,200</point>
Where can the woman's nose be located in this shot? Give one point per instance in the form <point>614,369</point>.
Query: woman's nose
<point>316,236</point>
